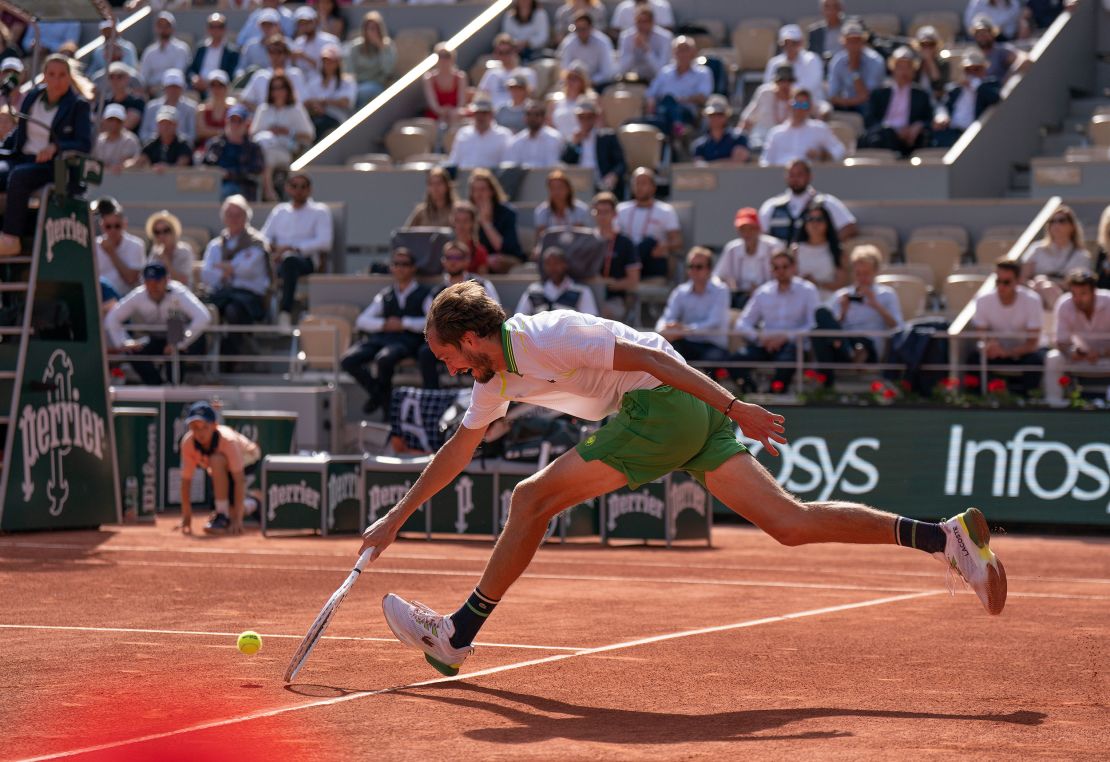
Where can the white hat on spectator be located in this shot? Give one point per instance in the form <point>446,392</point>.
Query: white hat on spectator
<point>218,75</point>
<point>119,67</point>
<point>269,16</point>
<point>928,32</point>
<point>331,50</point>
<point>173,77</point>
<point>115,111</point>
<point>167,16</point>
<point>306,13</point>
<point>716,104</point>
<point>167,114</point>
<point>11,63</point>
<point>791,32</point>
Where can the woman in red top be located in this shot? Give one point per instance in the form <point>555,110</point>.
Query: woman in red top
<point>444,87</point>
<point>212,113</point>
<point>465,220</point>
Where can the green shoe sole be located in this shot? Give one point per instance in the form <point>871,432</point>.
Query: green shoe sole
<point>442,668</point>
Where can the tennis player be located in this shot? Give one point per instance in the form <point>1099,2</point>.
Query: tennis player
<point>668,416</point>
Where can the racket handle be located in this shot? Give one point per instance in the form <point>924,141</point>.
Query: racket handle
<point>364,559</point>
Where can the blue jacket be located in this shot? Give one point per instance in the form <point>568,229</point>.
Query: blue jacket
<point>71,129</point>
<point>229,60</point>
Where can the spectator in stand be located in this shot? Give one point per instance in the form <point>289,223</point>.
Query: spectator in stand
<point>167,149</point>
<point>644,48</point>
<point>496,221</point>
<point>807,67</point>
<point>12,69</point>
<point>1006,15</point>
<point>769,106</point>
<point>464,219</point>
<point>596,149</point>
<point>444,87</point>
<point>561,209</point>
<point>719,143</point>
<point>933,72</point>
<point>163,230</point>
<point>824,36</point>
<point>115,144</point>
<point>1102,263</point>
<point>1012,314</point>
<point>1003,59</point>
<point>1082,334</point>
<point>677,94</point>
<point>53,36</point>
<point>556,290</point>
<point>566,13</point>
<point>237,155</point>
<point>236,271</point>
<point>624,15</point>
<point>801,137</point>
<point>282,128</point>
<point>254,54</point>
<point>371,58</point>
<point>745,262</point>
<point>112,49</point>
<point>855,71</point>
<point>863,306</point>
<point>252,27</point>
<point>212,113</point>
<point>511,115</point>
<point>216,54</point>
<point>537,145</point>
<point>394,328</point>
<point>562,106</point>
<point>120,256</point>
<point>332,93</point>
<point>481,144</point>
<point>696,318</point>
<point>899,114</point>
<point>504,64</point>
<point>258,87</point>
<point>332,19</point>
<point>592,48</point>
<point>310,40</point>
<point>173,96</point>
<point>1060,252</point>
<point>772,319</point>
<point>782,216</point>
<point>119,91</point>
<point>965,102</point>
<point>437,208</point>
<point>651,224</point>
<point>620,270</point>
<point>166,53</point>
<point>817,251</point>
<point>529,27</point>
<point>300,235</point>
<point>162,302</point>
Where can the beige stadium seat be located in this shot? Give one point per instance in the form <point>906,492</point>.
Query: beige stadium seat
<point>404,142</point>
<point>947,24</point>
<point>642,145</point>
<point>991,248</point>
<point>619,105</point>
<point>1099,130</point>
<point>941,254</point>
<point>887,232</point>
<point>917,270</point>
<point>851,118</point>
<point>348,312</point>
<point>959,289</point>
<point>955,233</point>
<point>425,124</point>
<point>865,240</point>
<point>755,41</point>
<point>547,76</point>
<point>715,33</point>
<point>912,293</point>
<point>1086,153</point>
<point>884,24</point>
<point>976,268</point>
<point>426,158</point>
<point>846,134</point>
<point>876,156</point>
<point>478,68</point>
<point>324,339</point>
<point>369,158</point>
<point>413,45</point>
<point>449,136</point>
<point>197,237</point>
<point>929,155</point>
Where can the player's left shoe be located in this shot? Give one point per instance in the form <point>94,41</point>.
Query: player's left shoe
<point>418,626</point>
<point>969,554</point>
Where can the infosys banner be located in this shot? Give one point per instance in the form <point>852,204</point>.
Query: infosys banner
<point>1050,467</point>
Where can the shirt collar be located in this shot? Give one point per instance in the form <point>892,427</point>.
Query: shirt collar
<point>507,348</point>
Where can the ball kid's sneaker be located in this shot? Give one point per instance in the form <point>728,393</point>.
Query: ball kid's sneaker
<point>418,626</point>
<point>968,553</point>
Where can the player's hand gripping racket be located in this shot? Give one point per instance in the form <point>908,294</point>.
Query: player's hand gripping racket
<point>316,631</point>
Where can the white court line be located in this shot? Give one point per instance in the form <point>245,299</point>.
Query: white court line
<point>484,672</point>
<point>75,628</point>
<point>577,560</point>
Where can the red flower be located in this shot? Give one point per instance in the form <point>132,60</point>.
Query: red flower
<point>950,383</point>
<point>821,378</point>
<point>888,394</point>
<point>777,386</point>
<point>117,373</point>
<point>876,386</point>
<point>1064,381</point>
<point>906,385</point>
<point>810,373</point>
<point>971,381</point>
<point>996,385</point>
<point>721,374</point>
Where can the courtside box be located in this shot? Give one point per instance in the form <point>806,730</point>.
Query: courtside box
<point>670,509</point>
<point>137,446</point>
<point>385,481</point>
<point>580,520</point>
<point>313,493</point>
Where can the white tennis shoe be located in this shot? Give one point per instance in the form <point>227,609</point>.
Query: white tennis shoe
<point>418,626</point>
<point>968,553</point>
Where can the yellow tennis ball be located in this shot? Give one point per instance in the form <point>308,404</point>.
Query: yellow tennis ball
<point>249,642</point>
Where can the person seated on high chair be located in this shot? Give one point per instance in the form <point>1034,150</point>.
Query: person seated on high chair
<point>225,455</point>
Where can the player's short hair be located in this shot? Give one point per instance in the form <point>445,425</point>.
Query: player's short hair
<point>464,307</point>
<point>868,253</point>
<point>1081,278</point>
<point>1009,266</point>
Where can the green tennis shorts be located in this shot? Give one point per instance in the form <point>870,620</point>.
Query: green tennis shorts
<point>660,430</point>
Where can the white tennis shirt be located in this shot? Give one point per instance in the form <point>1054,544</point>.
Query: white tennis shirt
<point>563,361</point>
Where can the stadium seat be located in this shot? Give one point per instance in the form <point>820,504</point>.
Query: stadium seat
<point>850,118</point>
<point>619,105</point>
<point>1099,130</point>
<point>369,158</point>
<point>642,145</point>
<point>1087,153</point>
<point>954,233</point>
<point>886,232</point>
<point>348,312</point>
<point>403,142</point>
<point>846,134</point>
<point>917,270</point>
<point>929,155</point>
<point>425,124</point>
<point>947,24</point>
<point>882,24</point>
<point>323,340</point>
<point>940,254</point>
<point>547,76</point>
<point>413,45</point>
<point>478,68</point>
<point>959,289</point>
<point>912,293</point>
<point>755,41</point>
<point>991,248</point>
<point>196,237</point>
<point>862,156</point>
<point>715,33</point>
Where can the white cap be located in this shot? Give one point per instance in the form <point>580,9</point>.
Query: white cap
<point>115,111</point>
<point>306,13</point>
<point>167,16</point>
<point>218,75</point>
<point>11,63</point>
<point>167,113</point>
<point>173,77</point>
<point>269,16</point>
<point>790,32</point>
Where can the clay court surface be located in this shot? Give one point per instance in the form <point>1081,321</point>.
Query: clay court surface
<point>120,645</point>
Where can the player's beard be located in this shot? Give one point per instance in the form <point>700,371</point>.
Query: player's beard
<point>480,367</point>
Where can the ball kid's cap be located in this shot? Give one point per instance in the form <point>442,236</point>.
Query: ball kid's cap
<point>155,271</point>
<point>201,411</point>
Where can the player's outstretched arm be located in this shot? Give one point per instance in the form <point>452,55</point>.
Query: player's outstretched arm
<point>759,424</point>
<point>449,462</point>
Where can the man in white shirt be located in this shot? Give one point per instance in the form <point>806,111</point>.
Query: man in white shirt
<point>1082,334</point>
<point>745,262</point>
<point>651,224</point>
<point>161,302</point>
<point>781,216</point>
<point>505,64</point>
<point>119,255</point>
<point>694,309</point>
<point>809,69</point>
<point>115,144</point>
<point>537,145</point>
<point>556,290</point>
<point>625,13</point>
<point>165,53</point>
<point>801,137</point>
<point>668,417</point>
<point>590,47</point>
<point>1013,315</point>
<point>679,91</point>
<point>481,144</point>
<point>300,234</point>
<point>964,102</point>
<point>173,94</point>
<point>644,49</point>
<point>310,41</point>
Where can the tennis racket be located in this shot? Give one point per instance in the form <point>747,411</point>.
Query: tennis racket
<point>316,631</point>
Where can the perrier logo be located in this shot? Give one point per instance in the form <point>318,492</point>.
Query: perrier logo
<point>69,228</point>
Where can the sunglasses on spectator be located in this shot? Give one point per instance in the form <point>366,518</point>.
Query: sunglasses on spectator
<point>800,105</point>
<point>162,231</point>
<point>1059,220</point>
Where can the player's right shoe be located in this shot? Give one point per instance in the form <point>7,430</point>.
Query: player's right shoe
<point>219,524</point>
<point>418,626</point>
<point>968,553</point>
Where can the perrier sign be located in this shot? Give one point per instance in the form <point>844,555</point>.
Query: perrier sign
<point>61,470</point>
